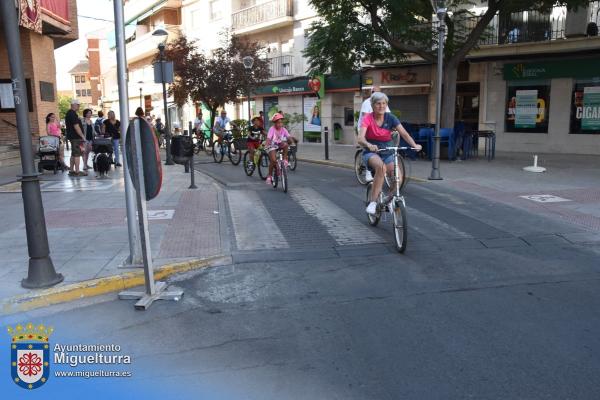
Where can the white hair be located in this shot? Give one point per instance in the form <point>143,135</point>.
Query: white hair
<point>378,96</point>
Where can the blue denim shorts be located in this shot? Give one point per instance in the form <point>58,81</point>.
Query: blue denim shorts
<point>389,159</point>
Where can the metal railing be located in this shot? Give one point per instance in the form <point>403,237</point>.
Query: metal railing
<point>281,66</point>
<point>520,27</point>
<point>260,13</point>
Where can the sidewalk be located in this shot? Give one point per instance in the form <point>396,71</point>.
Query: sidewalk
<point>568,190</point>
<point>87,230</point>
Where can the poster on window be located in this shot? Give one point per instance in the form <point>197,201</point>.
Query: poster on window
<point>312,114</point>
<point>270,105</point>
<point>527,108</point>
<point>590,115</point>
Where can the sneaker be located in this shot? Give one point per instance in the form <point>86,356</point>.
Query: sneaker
<point>83,173</point>
<point>372,208</point>
<point>368,176</point>
<point>269,180</point>
<point>73,173</point>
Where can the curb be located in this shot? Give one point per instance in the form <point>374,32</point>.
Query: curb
<point>99,286</point>
<point>349,166</point>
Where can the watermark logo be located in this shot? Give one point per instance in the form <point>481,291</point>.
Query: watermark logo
<point>30,355</point>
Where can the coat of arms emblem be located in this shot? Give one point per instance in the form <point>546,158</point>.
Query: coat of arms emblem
<point>30,355</point>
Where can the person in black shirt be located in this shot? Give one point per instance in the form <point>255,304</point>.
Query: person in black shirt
<point>75,136</point>
<point>112,128</point>
<point>88,129</point>
<point>255,136</point>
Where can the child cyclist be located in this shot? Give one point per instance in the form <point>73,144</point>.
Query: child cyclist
<point>276,139</point>
<point>255,136</point>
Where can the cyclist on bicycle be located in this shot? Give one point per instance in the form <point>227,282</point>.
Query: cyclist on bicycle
<point>255,136</point>
<point>376,133</point>
<point>276,139</point>
<point>199,124</point>
<point>221,125</point>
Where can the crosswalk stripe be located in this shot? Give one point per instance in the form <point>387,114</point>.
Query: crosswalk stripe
<point>432,227</point>
<point>253,226</point>
<point>343,227</point>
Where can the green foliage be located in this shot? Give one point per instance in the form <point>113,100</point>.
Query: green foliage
<point>294,122</point>
<point>64,103</point>
<point>218,78</point>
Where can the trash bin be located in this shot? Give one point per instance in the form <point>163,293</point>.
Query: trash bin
<point>181,149</point>
<point>337,131</point>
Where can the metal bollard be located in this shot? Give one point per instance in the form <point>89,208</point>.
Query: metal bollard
<point>191,162</point>
<point>326,130</point>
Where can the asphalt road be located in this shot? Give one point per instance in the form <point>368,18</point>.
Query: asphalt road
<point>488,302</point>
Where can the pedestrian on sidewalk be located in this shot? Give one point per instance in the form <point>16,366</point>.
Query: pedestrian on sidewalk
<point>88,128</point>
<point>76,137</point>
<point>99,124</point>
<point>53,129</point>
<point>112,128</point>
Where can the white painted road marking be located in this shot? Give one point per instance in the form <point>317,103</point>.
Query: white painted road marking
<point>343,227</point>
<point>544,198</point>
<point>432,227</point>
<point>160,214</point>
<point>253,226</point>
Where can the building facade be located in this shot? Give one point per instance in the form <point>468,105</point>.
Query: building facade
<point>51,25</point>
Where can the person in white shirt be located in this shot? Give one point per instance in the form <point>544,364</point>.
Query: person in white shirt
<point>366,108</point>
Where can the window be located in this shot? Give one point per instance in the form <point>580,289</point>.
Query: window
<point>89,92</point>
<point>585,107</point>
<point>82,78</point>
<point>528,106</point>
<point>76,78</point>
<point>77,93</point>
<point>216,10</point>
<point>47,91</point>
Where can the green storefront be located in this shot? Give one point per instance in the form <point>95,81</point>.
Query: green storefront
<point>528,94</point>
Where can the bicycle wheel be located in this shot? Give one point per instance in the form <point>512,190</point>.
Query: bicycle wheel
<point>360,168</point>
<point>217,152</point>
<point>400,225</point>
<point>263,166</point>
<point>234,154</point>
<point>293,162</point>
<point>196,144</point>
<point>284,178</point>
<point>373,218</point>
<point>248,164</point>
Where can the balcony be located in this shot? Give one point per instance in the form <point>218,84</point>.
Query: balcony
<point>261,17</point>
<point>281,66</point>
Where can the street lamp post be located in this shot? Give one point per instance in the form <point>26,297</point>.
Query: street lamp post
<point>248,63</point>
<point>41,272</point>
<point>161,49</point>
<point>440,8</point>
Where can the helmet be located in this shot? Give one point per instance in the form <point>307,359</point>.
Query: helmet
<point>276,117</point>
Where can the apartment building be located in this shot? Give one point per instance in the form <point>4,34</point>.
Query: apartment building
<point>280,26</point>
<point>80,83</point>
<point>142,17</point>
<point>45,26</point>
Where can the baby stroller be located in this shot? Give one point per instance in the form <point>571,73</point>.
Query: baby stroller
<point>49,153</point>
<point>103,154</point>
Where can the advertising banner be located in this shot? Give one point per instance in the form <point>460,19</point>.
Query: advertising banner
<point>312,114</point>
<point>29,15</point>
<point>590,115</point>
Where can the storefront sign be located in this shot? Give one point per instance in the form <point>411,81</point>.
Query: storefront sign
<point>397,76</point>
<point>29,15</point>
<point>590,113</point>
<point>526,108</point>
<point>582,68</point>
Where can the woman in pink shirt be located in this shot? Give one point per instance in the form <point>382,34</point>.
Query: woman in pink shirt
<point>276,139</point>
<point>53,129</point>
<point>375,134</point>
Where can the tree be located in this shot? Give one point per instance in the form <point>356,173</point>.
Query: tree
<point>218,78</point>
<point>356,31</point>
<point>64,104</point>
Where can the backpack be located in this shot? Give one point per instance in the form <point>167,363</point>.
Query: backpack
<point>98,126</point>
